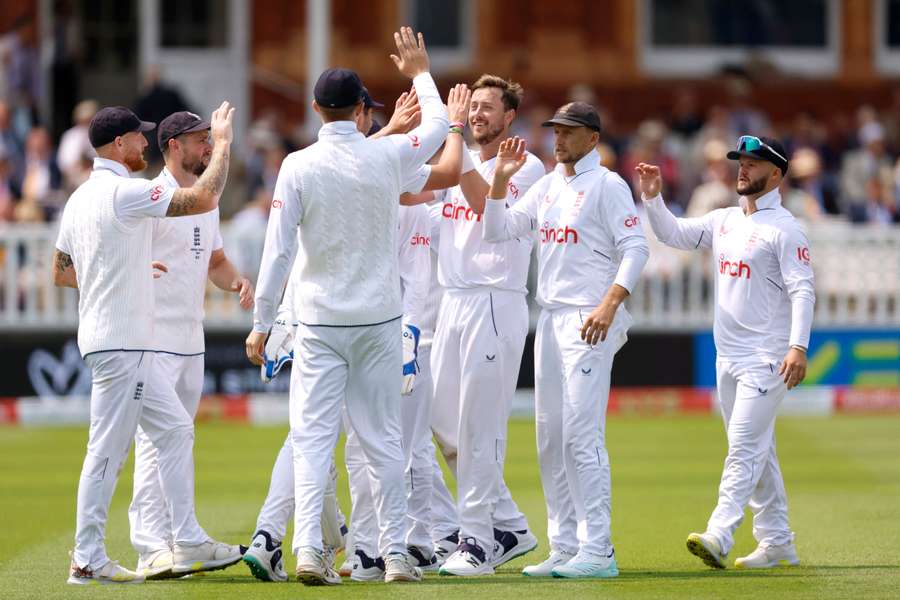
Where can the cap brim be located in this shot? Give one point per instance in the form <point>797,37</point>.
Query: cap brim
<point>374,104</point>
<point>146,126</point>
<point>201,126</point>
<point>562,121</point>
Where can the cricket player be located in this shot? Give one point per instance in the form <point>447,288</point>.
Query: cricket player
<point>764,310</point>
<point>104,249</point>
<point>478,341</point>
<point>591,252</point>
<point>191,249</point>
<point>338,199</point>
<point>264,556</point>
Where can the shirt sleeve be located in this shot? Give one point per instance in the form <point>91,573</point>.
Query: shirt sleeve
<point>420,144</point>
<point>280,247</point>
<point>62,237</point>
<point>141,198</point>
<point>415,181</point>
<point>684,234</point>
<point>620,217</point>
<point>522,181</point>
<point>415,262</point>
<point>795,264</point>
<point>502,223</point>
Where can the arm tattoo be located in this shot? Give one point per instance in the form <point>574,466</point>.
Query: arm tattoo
<point>212,182</point>
<point>63,261</point>
<point>183,202</point>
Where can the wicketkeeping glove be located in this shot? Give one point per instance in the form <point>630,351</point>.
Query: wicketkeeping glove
<point>279,350</point>
<point>410,353</point>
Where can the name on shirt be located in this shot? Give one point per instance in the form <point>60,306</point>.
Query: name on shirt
<point>557,235</point>
<point>420,240</point>
<point>730,268</point>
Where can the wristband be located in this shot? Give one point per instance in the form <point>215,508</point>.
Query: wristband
<point>799,347</point>
<point>456,130</point>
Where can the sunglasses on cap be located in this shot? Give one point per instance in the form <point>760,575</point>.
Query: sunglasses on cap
<point>749,143</point>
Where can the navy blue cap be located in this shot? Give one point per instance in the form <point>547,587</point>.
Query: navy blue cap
<point>177,124</point>
<point>112,121</point>
<point>338,88</point>
<point>368,102</point>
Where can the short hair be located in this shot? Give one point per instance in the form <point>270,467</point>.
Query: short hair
<point>344,113</point>
<point>510,91</point>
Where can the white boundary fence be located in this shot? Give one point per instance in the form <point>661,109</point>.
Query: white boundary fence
<point>857,280</point>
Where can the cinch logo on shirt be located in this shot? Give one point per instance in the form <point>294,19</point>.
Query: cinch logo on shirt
<point>156,192</point>
<point>803,255</point>
<point>733,269</point>
<point>415,140</point>
<point>513,190</point>
<point>458,212</point>
<point>276,203</point>
<point>557,235</point>
<point>420,240</point>
<point>631,221</point>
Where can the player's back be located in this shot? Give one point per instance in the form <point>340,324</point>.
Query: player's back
<point>112,260</point>
<point>349,188</point>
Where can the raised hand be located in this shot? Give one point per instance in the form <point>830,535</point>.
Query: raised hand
<point>406,113</point>
<point>510,158</point>
<point>411,58</point>
<point>221,129</point>
<point>458,101</point>
<point>650,180</point>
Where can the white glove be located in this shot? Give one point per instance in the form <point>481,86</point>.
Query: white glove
<point>279,350</point>
<point>410,353</point>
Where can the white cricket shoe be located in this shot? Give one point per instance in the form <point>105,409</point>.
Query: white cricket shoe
<point>399,568</point>
<point>556,558</point>
<point>706,547</point>
<point>156,565</point>
<point>312,569</point>
<point>265,559</point>
<point>208,556</point>
<point>586,565</point>
<point>468,560</point>
<point>511,544</point>
<point>766,556</point>
<point>445,547</point>
<point>111,572</point>
<point>367,568</point>
<point>348,565</point>
<point>418,558</point>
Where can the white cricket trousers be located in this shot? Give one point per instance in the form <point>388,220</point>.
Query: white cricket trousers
<point>123,395</point>
<point>149,514</point>
<point>420,477</point>
<point>572,381</point>
<point>478,343</point>
<point>749,395</point>
<point>278,506</point>
<point>359,368</point>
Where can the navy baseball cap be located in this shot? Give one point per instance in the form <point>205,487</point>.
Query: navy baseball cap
<point>368,102</point>
<point>768,149</point>
<point>575,114</point>
<point>338,88</point>
<point>177,124</point>
<point>112,121</point>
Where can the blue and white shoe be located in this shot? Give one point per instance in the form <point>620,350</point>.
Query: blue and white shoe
<point>468,560</point>
<point>367,568</point>
<point>586,565</point>
<point>264,558</point>
<point>509,545</point>
<point>418,559</point>
<point>444,547</point>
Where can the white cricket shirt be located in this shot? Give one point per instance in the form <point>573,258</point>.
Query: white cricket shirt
<point>107,229</point>
<point>762,274</point>
<point>465,260</point>
<point>589,236</point>
<point>335,209</point>
<point>184,245</point>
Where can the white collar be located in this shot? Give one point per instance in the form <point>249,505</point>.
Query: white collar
<point>105,164</point>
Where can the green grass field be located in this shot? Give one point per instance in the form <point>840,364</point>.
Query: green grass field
<point>842,474</point>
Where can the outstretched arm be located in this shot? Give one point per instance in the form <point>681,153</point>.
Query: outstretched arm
<point>502,223</point>
<point>685,234</point>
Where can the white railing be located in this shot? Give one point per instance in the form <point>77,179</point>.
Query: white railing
<point>857,281</point>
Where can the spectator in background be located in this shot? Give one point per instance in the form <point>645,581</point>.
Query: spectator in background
<point>157,101</point>
<point>39,188</point>
<point>22,73</point>
<point>648,146</point>
<point>686,118</point>
<point>862,173</point>
<point>75,147</point>
<point>7,198</point>
<point>608,156</point>
<point>717,189</point>
<point>10,143</point>
<point>802,191</point>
